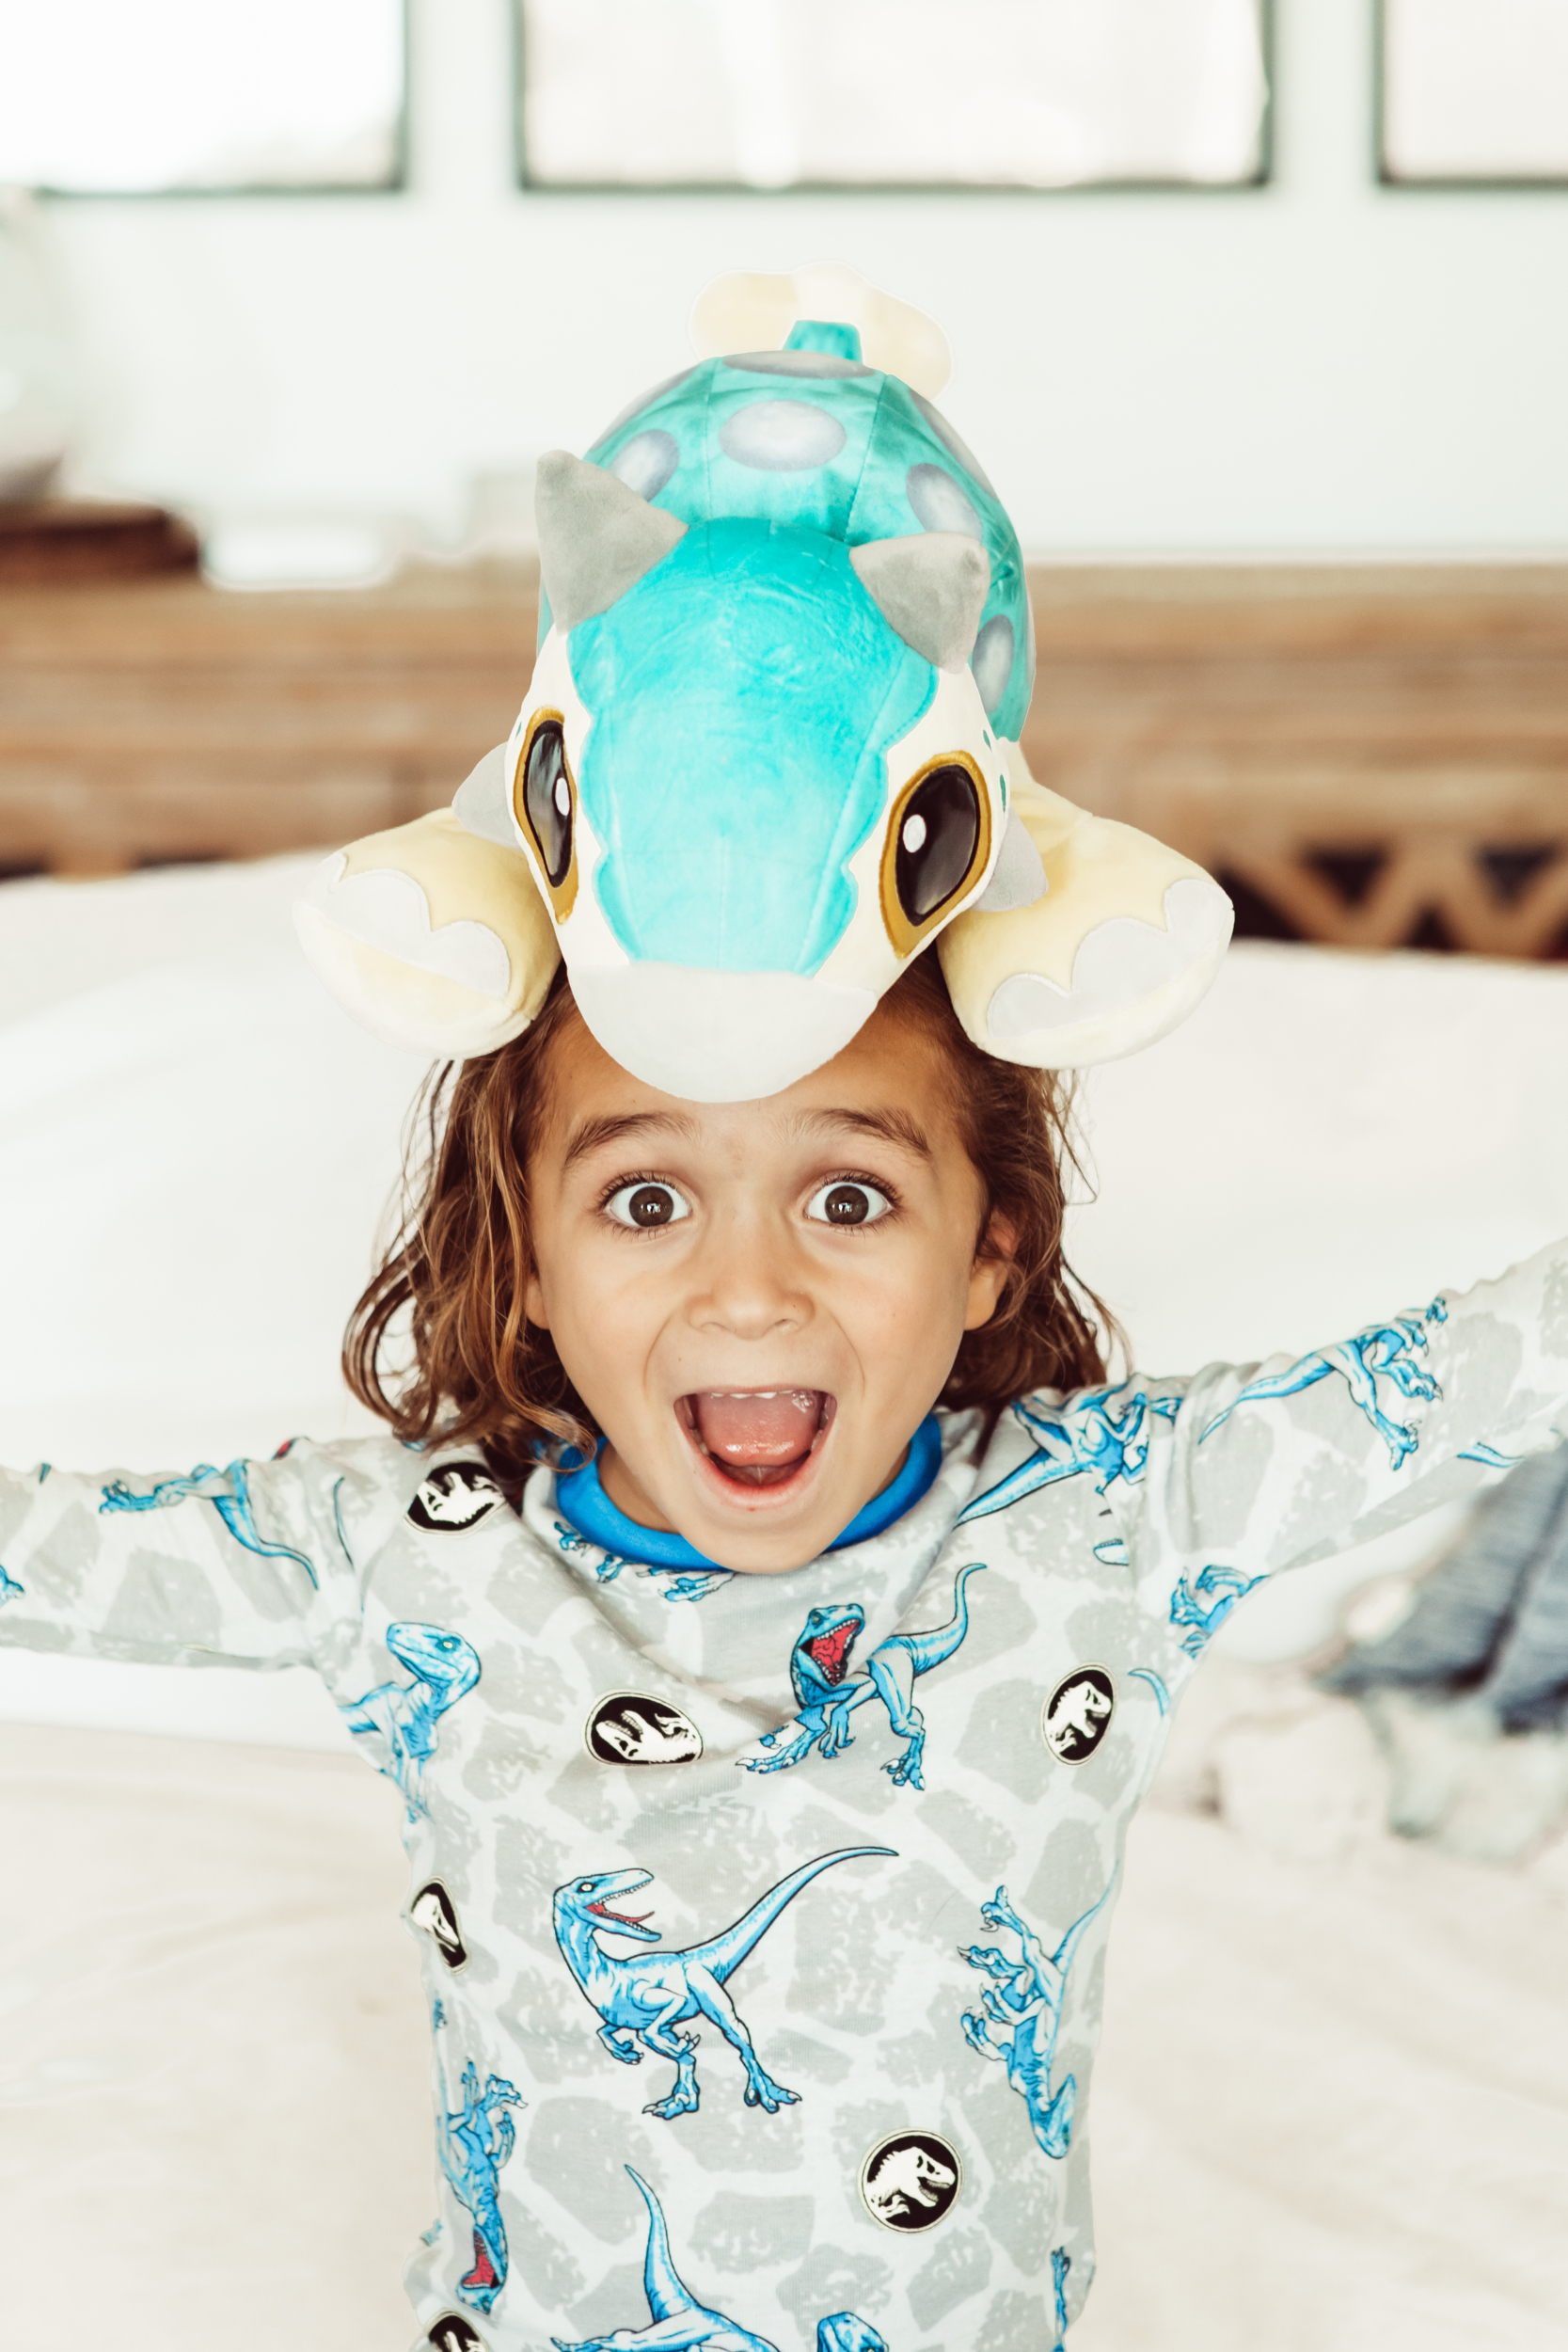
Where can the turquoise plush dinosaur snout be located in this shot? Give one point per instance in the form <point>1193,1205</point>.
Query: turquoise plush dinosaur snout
<point>745,694</point>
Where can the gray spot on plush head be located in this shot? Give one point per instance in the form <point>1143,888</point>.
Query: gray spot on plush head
<point>940,503</point>
<point>796,363</point>
<point>644,400</point>
<point>647,461</point>
<point>596,538</point>
<point>992,660</point>
<point>930,591</point>
<point>781,436</point>
<point>952,440</point>
<point>480,803</point>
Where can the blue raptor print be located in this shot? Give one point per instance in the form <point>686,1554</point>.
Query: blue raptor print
<point>474,2142</point>
<point>827,1694</point>
<point>1024,2000</point>
<point>400,1721</point>
<point>641,1999</point>
<point>678,2323</point>
<point>1204,1605</point>
<point>1061,2262</point>
<point>10,1588</point>
<point>1385,1352</point>
<point>232,1503</point>
<point>1089,1435</point>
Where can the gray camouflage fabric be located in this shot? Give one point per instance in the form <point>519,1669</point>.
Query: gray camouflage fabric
<point>764,1919</point>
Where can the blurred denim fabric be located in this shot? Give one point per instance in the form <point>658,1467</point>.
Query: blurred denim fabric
<point>1490,1622</point>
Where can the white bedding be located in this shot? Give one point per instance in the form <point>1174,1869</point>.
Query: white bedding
<point>1335,2085</point>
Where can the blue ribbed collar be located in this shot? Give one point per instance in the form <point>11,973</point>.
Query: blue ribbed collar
<point>584,1505</point>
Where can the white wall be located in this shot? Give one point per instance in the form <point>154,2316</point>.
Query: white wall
<point>1322,365</point>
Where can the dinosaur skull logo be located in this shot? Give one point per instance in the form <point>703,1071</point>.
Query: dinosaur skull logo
<point>433,1910</point>
<point>451,2332</point>
<point>1077,1715</point>
<point>630,1727</point>
<point>455,1498</point>
<point>911,2181</point>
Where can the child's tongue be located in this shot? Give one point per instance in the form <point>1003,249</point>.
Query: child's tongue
<point>757,1434</point>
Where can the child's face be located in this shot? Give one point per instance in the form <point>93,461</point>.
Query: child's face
<point>759,1302</point>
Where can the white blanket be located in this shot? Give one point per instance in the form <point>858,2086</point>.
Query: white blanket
<point>1334,2092</point>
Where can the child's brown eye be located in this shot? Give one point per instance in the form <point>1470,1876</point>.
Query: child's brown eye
<point>645,1206</point>
<point>848,1202</point>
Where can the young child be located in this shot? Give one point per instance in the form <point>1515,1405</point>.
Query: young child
<point>767,1611</point>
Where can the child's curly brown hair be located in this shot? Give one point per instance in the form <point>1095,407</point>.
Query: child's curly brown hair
<point>451,1288</point>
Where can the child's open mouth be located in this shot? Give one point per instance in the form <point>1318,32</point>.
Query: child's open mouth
<point>758,1436</point>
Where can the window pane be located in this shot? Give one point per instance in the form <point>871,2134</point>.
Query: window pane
<point>776,93</point>
<point>1475,90</point>
<point>135,95</point>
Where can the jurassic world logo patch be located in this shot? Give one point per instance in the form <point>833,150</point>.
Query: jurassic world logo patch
<point>456,1497</point>
<point>1078,1714</point>
<point>630,1727</point>
<point>911,2181</point>
<point>451,2332</point>
<point>433,1910</point>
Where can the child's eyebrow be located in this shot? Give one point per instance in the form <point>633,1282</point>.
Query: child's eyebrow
<point>890,1126</point>
<point>594,1132</point>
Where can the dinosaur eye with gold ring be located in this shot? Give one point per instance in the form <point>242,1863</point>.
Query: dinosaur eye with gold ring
<point>544,798</point>
<point>937,844</point>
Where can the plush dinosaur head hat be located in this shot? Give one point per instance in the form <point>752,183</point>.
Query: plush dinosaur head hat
<point>769,754</point>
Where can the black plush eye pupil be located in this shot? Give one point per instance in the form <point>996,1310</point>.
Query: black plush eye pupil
<point>650,1204</point>
<point>937,833</point>
<point>548,800</point>
<point>847,1204</point>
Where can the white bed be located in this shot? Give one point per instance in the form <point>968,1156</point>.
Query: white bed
<point>1332,2109</point>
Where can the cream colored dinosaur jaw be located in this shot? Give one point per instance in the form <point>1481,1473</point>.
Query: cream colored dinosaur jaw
<point>439,941</point>
<point>1123,944</point>
<point>435,940</point>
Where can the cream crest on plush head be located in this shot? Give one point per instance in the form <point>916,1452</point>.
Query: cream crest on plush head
<point>769,749</point>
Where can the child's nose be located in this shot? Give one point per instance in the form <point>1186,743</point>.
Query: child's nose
<point>750,1283</point>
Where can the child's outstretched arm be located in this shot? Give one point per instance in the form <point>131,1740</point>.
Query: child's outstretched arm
<point>246,1566</point>
<point>1256,1467</point>
<point>1214,1483</point>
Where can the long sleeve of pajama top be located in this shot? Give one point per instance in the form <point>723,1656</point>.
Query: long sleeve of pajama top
<point>763,1919</point>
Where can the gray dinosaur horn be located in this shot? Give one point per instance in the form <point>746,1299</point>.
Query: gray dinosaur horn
<point>930,590</point>
<point>596,538</point>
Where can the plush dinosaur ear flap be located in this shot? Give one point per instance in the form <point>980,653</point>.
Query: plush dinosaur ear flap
<point>930,590</point>
<point>1117,948</point>
<point>596,538</point>
<point>435,939</point>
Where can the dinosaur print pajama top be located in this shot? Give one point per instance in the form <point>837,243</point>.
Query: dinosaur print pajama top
<point>763,1919</point>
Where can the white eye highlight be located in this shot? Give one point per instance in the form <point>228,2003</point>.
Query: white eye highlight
<point>645,1206</point>
<point>849,1201</point>
<point>913,835</point>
